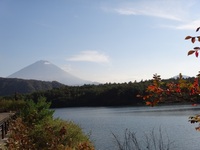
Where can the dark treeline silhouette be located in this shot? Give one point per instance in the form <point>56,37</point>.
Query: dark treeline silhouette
<point>8,86</point>
<point>93,95</point>
<point>109,94</point>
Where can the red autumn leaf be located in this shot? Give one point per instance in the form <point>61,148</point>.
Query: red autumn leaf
<point>178,90</point>
<point>188,37</point>
<point>196,53</point>
<point>151,88</point>
<point>149,103</point>
<point>155,102</point>
<point>196,47</point>
<point>197,128</point>
<point>193,39</point>
<point>192,92</point>
<point>197,29</point>
<point>198,38</point>
<point>144,98</point>
<point>191,52</point>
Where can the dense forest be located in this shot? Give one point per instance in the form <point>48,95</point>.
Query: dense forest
<point>109,94</point>
<point>93,95</point>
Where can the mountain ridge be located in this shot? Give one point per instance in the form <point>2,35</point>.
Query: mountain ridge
<point>177,76</point>
<point>46,71</point>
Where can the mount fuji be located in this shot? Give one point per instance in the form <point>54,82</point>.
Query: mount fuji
<point>46,71</point>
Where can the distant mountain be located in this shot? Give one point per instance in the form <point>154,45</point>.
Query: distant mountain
<point>10,86</point>
<point>45,71</point>
<point>183,76</point>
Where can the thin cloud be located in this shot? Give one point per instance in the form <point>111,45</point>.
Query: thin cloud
<point>149,12</point>
<point>67,68</point>
<point>176,10</point>
<point>182,12</point>
<point>189,26</point>
<point>126,11</point>
<point>90,56</point>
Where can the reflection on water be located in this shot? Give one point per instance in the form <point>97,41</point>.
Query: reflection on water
<point>102,121</point>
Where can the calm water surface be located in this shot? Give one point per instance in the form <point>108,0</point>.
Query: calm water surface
<point>101,122</point>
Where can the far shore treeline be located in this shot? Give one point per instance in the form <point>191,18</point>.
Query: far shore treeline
<point>109,94</point>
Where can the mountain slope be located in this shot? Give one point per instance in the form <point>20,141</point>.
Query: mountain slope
<point>9,86</point>
<point>183,76</point>
<point>46,71</point>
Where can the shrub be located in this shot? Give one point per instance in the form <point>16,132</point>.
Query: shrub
<point>19,136</point>
<point>51,135</point>
<point>58,134</point>
<point>35,113</point>
<point>11,105</point>
<point>35,129</point>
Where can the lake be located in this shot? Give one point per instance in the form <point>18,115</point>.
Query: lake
<point>101,122</point>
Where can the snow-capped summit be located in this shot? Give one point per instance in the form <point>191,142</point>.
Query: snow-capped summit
<point>46,71</point>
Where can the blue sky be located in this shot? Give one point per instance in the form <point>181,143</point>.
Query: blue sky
<point>100,40</point>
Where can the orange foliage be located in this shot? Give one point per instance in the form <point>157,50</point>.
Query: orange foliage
<point>158,91</point>
<point>182,89</point>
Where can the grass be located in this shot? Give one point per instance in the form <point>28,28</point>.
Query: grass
<point>152,141</point>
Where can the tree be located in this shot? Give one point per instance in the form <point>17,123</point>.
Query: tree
<point>182,90</point>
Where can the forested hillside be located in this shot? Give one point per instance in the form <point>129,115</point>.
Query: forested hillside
<point>93,95</point>
<point>10,86</point>
<point>109,94</point>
